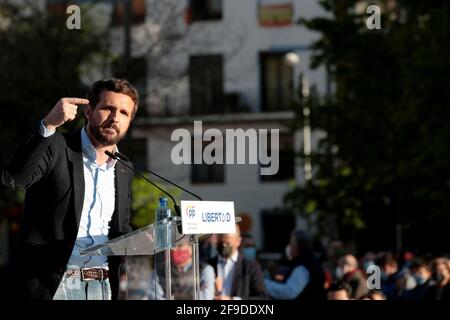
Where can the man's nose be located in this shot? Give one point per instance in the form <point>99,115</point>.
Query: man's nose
<point>114,116</point>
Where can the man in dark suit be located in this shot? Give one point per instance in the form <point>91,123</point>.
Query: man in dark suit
<point>76,197</point>
<point>236,277</point>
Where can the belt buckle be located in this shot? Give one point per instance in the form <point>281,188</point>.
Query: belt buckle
<point>82,274</point>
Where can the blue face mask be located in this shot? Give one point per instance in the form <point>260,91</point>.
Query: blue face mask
<point>339,273</point>
<point>438,277</point>
<point>249,253</point>
<point>212,252</point>
<point>367,264</point>
<point>419,279</point>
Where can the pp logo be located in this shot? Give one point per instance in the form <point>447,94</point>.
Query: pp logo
<point>190,212</point>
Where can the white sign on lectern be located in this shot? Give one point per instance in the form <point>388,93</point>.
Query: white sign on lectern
<point>204,217</point>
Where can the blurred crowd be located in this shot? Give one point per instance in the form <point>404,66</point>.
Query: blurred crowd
<point>231,268</point>
<point>387,276</point>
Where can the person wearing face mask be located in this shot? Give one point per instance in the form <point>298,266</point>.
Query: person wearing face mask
<point>440,290</point>
<point>348,272</point>
<point>237,277</point>
<point>391,276</point>
<point>248,247</point>
<point>183,277</point>
<point>305,279</point>
<point>283,270</point>
<point>421,273</point>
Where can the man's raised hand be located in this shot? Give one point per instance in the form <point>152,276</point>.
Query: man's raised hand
<point>64,110</point>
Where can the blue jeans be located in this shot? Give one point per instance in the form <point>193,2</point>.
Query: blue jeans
<point>76,289</point>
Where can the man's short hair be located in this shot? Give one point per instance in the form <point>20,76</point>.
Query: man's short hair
<point>340,285</point>
<point>388,259</point>
<point>114,85</point>
<point>303,240</point>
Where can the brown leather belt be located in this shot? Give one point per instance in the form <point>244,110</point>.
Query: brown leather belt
<point>87,274</point>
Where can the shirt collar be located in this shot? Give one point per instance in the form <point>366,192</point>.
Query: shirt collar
<point>89,151</point>
<point>233,258</point>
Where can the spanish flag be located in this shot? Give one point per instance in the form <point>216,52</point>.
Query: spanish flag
<point>275,13</point>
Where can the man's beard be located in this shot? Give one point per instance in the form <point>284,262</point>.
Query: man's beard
<point>104,138</point>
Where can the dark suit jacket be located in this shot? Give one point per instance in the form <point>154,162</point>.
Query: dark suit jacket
<point>51,171</point>
<point>248,279</point>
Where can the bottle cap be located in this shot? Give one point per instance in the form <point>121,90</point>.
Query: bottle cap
<point>163,202</point>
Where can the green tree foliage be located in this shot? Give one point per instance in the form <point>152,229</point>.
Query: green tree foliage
<point>40,61</point>
<point>146,200</point>
<point>382,174</point>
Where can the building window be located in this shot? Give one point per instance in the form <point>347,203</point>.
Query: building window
<point>206,84</point>
<point>276,81</point>
<point>206,173</point>
<point>137,12</point>
<point>201,10</point>
<point>286,169</point>
<point>275,13</point>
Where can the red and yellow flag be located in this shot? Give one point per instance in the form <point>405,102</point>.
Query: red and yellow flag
<point>275,13</point>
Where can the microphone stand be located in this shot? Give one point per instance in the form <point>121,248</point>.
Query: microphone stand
<point>177,211</point>
<point>125,158</point>
<point>113,156</point>
<point>193,239</point>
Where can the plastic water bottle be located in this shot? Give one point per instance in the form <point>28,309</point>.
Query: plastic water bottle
<point>164,236</point>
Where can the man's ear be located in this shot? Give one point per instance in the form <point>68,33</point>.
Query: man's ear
<point>239,241</point>
<point>87,111</point>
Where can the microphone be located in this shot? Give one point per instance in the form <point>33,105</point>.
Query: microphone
<point>195,252</point>
<point>125,158</point>
<point>113,156</point>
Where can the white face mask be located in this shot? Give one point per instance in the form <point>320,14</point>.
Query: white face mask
<point>123,286</point>
<point>339,273</point>
<point>287,252</point>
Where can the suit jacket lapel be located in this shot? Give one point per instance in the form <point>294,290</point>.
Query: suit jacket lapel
<point>75,163</point>
<point>235,286</point>
<point>121,193</point>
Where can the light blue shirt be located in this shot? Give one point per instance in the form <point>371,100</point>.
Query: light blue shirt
<point>290,289</point>
<point>44,131</point>
<point>207,283</point>
<point>98,204</point>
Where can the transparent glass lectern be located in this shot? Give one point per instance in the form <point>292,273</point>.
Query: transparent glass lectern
<point>147,270</point>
